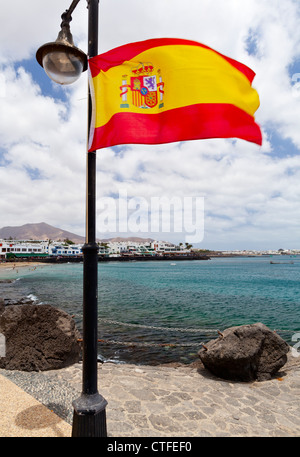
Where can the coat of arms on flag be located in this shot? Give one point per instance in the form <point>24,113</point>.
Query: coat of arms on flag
<point>145,85</point>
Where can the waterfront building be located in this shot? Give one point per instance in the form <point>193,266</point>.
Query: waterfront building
<point>22,248</point>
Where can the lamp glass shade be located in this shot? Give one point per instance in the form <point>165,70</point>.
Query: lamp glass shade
<point>63,66</point>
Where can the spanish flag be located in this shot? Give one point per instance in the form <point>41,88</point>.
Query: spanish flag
<point>165,90</point>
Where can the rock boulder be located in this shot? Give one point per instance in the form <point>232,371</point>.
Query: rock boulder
<point>38,338</point>
<point>245,353</point>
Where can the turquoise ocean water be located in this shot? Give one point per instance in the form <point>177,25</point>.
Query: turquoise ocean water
<point>160,311</point>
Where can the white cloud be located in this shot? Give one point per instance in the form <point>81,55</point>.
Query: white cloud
<point>43,157</point>
<point>251,193</point>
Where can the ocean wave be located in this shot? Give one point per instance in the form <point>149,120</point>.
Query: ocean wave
<point>32,298</point>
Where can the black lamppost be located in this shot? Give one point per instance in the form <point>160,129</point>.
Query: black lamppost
<point>64,63</point>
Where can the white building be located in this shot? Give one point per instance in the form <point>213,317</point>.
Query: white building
<point>70,250</point>
<point>164,246</point>
<point>22,247</point>
<point>55,248</point>
<point>35,248</point>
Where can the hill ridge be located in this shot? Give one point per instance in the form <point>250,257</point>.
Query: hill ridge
<point>41,232</point>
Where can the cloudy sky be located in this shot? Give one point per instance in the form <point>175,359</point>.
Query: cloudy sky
<point>246,196</point>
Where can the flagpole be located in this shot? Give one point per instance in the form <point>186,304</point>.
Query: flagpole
<point>89,419</point>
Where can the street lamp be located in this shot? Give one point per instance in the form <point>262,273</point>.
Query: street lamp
<point>64,63</point>
<point>61,60</point>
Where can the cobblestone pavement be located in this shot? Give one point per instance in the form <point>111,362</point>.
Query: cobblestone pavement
<point>147,401</point>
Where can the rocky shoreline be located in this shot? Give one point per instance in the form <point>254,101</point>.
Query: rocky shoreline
<point>171,399</point>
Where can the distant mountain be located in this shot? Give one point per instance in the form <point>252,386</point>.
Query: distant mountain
<point>40,232</point>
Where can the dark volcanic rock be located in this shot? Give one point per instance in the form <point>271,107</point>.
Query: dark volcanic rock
<point>245,353</point>
<point>18,301</point>
<point>38,338</point>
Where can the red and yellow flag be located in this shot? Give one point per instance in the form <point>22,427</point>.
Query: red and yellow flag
<point>166,90</point>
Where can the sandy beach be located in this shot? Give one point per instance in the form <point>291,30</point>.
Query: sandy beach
<point>17,265</point>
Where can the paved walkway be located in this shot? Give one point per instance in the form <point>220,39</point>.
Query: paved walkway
<point>145,401</point>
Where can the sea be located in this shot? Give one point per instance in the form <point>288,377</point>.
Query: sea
<point>157,312</point>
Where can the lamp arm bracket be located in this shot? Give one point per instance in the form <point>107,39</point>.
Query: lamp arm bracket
<point>67,15</point>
